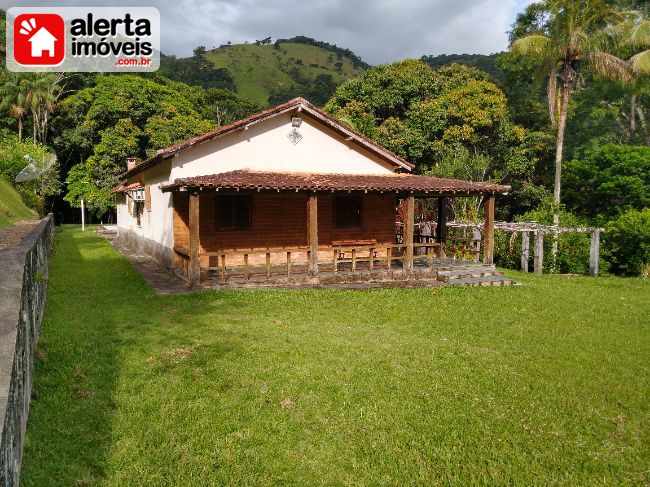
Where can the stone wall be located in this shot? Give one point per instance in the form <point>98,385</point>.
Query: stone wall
<point>23,283</point>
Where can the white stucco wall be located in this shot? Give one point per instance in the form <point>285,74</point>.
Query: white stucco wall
<point>266,147</point>
<point>157,224</point>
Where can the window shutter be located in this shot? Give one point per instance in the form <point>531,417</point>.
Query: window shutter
<point>147,198</point>
<point>129,204</point>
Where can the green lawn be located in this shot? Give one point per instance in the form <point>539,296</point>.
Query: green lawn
<point>530,385</point>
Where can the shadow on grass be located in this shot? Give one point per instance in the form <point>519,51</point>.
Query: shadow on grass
<point>99,312</point>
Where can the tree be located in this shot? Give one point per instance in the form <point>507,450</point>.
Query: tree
<point>45,91</point>
<point>35,93</point>
<point>570,36</point>
<point>224,107</point>
<point>16,99</point>
<point>453,122</point>
<point>627,243</point>
<point>196,70</point>
<point>122,116</point>
<point>608,181</point>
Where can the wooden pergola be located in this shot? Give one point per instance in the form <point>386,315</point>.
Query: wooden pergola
<point>539,231</point>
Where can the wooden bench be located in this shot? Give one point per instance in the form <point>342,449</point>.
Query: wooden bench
<point>354,243</point>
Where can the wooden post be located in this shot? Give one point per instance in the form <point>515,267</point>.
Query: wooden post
<point>594,251</point>
<point>441,228</point>
<point>488,234</point>
<point>538,257</point>
<point>195,267</point>
<point>409,224</point>
<point>312,233</point>
<point>525,250</point>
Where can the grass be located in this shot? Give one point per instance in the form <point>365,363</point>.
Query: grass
<point>540,384</point>
<point>12,208</point>
<point>257,70</point>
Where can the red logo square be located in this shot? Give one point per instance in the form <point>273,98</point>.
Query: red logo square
<point>39,39</point>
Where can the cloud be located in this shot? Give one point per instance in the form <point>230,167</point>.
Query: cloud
<point>379,31</point>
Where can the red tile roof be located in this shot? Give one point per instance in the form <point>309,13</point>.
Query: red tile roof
<point>294,104</point>
<point>257,180</point>
<point>122,187</point>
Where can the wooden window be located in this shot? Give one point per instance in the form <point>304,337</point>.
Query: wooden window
<point>347,211</point>
<point>233,213</point>
<point>139,207</point>
<point>147,198</point>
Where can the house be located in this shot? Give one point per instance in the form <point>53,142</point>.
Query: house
<point>289,195</point>
<point>42,41</point>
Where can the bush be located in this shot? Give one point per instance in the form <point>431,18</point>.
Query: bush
<point>627,243</point>
<point>608,181</point>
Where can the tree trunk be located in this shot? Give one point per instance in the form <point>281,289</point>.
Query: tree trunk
<point>561,126</point>
<point>633,116</point>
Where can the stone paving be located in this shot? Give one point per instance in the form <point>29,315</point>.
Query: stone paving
<point>161,280</point>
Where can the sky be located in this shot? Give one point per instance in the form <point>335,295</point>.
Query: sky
<point>380,31</point>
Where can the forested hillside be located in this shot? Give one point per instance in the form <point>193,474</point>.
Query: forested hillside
<point>269,73</point>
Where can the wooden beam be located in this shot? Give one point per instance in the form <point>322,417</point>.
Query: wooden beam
<point>538,262</point>
<point>312,231</point>
<point>195,267</point>
<point>409,223</point>
<point>525,250</point>
<point>488,234</point>
<point>441,228</point>
<point>594,253</point>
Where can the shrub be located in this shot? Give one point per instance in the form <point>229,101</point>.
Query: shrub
<point>608,181</point>
<point>627,243</point>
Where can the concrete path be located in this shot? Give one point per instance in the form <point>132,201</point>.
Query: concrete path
<point>162,281</point>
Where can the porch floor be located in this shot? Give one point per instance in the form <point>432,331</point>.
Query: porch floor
<point>444,270</point>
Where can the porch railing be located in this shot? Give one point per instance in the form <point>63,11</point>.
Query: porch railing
<point>248,263</point>
<point>353,259</point>
<point>182,261</point>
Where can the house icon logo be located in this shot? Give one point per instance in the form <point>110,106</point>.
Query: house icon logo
<point>39,39</point>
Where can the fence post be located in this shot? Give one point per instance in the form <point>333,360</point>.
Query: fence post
<point>525,250</point>
<point>539,252</point>
<point>312,233</point>
<point>594,250</point>
<point>488,235</point>
<point>195,265</point>
<point>409,218</point>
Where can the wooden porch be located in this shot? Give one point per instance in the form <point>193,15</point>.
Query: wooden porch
<point>407,258</point>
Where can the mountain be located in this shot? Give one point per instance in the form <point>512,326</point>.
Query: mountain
<point>483,62</point>
<point>268,73</point>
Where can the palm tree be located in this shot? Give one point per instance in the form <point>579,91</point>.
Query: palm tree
<point>16,98</point>
<point>579,35</point>
<point>45,90</point>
